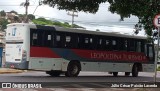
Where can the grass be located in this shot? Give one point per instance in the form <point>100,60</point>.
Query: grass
<point>158,69</point>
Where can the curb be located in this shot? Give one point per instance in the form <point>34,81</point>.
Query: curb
<point>6,70</point>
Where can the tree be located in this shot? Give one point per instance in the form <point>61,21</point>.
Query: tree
<point>13,12</point>
<point>16,19</point>
<point>145,10</point>
<point>78,5</point>
<point>31,17</point>
<point>2,13</point>
<point>21,17</point>
<point>3,23</point>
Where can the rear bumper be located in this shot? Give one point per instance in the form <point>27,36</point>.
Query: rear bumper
<point>22,65</point>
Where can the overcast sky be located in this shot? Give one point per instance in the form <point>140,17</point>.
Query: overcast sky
<point>103,15</point>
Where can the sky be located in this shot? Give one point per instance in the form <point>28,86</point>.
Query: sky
<point>102,20</point>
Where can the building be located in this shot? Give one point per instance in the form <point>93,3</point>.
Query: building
<point>11,17</point>
<point>2,39</point>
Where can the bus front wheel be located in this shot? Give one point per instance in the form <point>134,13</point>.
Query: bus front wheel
<point>135,71</point>
<point>73,69</point>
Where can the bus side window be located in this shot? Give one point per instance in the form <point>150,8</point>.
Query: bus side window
<point>87,42</point>
<point>100,46</point>
<point>71,40</point>
<point>138,48</point>
<point>90,43</point>
<point>68,41</point>
<point>34,39</point>
<point>81,41</point>
<point>41,40</point>
<point>145,49</point>
<point>48,39</point>
<point>142,46</point>
<point>74,40</point>
<point>114,45</point>
<point>121,44</point>
<point>60,39</point>
<point>126,44</point>
<point>95,43</point>
<point>132,45</point>
<point>108,44</point>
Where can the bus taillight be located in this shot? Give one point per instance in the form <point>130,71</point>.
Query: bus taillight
<point>12,66</point>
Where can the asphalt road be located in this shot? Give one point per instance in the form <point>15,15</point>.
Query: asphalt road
<point>85,79</point>
<point>37,76</point>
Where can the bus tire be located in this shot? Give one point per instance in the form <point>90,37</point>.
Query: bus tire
<point>73,69</point>
<point>127,73</point>
<point>135,71</point>
<point>115,73</point>
<point>54,73</point>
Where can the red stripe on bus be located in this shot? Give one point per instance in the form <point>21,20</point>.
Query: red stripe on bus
<point>112,55</point>
<point>43,52</point>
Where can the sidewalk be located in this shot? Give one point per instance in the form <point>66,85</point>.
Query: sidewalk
<point>8,70</point>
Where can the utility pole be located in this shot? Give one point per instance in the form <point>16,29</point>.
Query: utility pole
<point>156,23</point>
<point>73,14</point>
<point>26,10</point>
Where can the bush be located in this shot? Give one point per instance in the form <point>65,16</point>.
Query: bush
<point>43,21</point>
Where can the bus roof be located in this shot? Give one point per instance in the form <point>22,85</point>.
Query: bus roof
<point>73,30</point>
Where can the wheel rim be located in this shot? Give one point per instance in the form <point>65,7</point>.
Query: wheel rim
<point>74,70</point>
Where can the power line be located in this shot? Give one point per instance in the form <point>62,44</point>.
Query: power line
<point>40,3</point>
<point>16,5</point>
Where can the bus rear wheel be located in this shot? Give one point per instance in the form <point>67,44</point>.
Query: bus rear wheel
<point>115,73</point>
<point>73,69</point>
<point>54,73</point>
<point>135,71</point>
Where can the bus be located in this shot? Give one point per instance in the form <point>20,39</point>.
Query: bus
<point>57,50</point>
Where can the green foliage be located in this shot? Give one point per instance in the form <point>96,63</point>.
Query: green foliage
<point>40,21</point>
<point>21,15</point>
<point>158,69</point>
<point>3,23</point>
<point>78,5</point>
<point>43,21</point>
<point>31,17</point>
<point>145,10</point>
<point>16,18</point>
<point>13,12</point>
<point>2,13</point>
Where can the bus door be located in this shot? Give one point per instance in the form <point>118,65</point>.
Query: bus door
<point>150,52</point>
